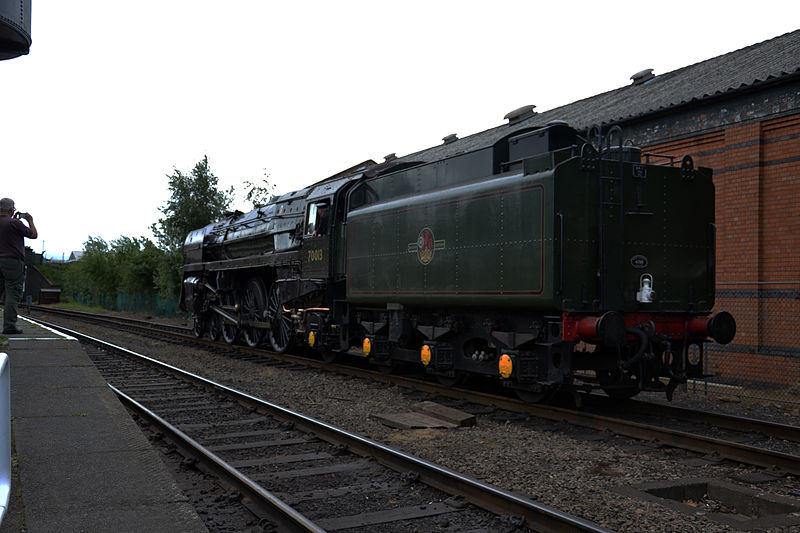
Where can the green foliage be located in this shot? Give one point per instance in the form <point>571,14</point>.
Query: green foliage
<point>168,273</point>
<point>94,274</point>
<point>124,266</point>
<point>259,194</point>
<point>130,273</point>
<point>54,271</point>
<point>195,202</point>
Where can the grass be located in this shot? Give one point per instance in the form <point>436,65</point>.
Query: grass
<point>75,306</point>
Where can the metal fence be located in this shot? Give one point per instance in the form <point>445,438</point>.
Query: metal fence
<point>147,304</point>
<point>763,361</point>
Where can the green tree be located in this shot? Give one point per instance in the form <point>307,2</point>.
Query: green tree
<point>195,201</point>
<point>95,275</point>
<point>136,261</point>
<point>168,273</point>
<point>259,194</point>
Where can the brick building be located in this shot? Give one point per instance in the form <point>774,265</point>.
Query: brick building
<point>739,114</point>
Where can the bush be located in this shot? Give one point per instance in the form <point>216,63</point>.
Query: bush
<point>125,266</point>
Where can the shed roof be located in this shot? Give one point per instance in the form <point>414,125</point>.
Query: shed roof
<point>748,67</point>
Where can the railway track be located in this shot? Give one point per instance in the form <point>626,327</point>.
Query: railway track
<point>761,443</point>
<point>302,474</point>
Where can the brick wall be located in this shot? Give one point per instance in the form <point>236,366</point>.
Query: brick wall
<point>756,166</point>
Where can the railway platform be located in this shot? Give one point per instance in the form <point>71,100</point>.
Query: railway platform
<point>80,463</point>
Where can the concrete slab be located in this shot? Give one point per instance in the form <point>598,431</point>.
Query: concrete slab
<point>738,507</point>
<point>116,519</point>
<point>448,414</point>
<point>58,347</point>
<point>59,435</point>
<point>135,477</point>
<point>53,377</point>
<point>412,421</point>
<point>427,415</point>
<point>34,330</point>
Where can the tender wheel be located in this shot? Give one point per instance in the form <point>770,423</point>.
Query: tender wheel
<point>452,381</point>
<point>329,356</point>
<point>529,396</point>
<point>391,367</point>
<point>254,304</point>
<point>215,327</point>
<point>198,327</point>
<point>610,382</point>
<point>281,332</point>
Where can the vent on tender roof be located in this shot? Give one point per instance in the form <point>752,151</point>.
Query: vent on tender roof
<point>390,157</point>
<point>450,138</point>
<point>643,76</point>
<point>518,115</point>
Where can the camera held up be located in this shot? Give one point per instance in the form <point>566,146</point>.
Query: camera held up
<point>20,214</point>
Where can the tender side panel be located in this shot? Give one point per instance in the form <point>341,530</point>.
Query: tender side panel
<point>487,243</point>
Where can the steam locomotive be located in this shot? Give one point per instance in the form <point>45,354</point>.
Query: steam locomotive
<point>533,255</point>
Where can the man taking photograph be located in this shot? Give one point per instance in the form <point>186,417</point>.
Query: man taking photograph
<point>12,260</point>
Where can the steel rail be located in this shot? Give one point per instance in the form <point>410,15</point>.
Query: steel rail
<point>285,517</point>
<point>726,449</point>
<point>537,516</point>
<point>738,423</point>
<point>85,315</point>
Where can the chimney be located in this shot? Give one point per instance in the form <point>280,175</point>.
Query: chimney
<point>643,76</point>
<point>518,115</point>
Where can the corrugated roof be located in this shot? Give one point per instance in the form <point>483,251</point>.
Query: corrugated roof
<point>769,60</point>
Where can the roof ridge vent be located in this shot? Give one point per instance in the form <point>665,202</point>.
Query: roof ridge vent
<point>518,115</point>
<point>450,138</point>
<point>390,157</point>
<point>643,76</point>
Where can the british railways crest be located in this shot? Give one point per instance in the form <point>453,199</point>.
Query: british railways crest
<point>425,246</point>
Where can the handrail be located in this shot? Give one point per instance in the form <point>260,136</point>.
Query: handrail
<point>5,435</point>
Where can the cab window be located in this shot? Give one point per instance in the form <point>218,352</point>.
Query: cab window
<point>317,221</point>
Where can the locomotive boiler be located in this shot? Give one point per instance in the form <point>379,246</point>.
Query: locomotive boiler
<point>531,255</point>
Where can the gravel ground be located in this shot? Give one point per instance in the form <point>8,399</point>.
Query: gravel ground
<point>575,471</point>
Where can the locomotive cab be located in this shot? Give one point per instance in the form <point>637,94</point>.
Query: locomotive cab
<point>315,254</point>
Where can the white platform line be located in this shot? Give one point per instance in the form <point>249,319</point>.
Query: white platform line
<point>51,330</point>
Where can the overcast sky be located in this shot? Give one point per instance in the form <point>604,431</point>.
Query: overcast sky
<point>115,95</point>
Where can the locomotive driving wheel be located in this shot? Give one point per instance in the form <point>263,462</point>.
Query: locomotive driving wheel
<point>198,327</point>
<point>254,304</point>
<point>215,327</point>
<point>281,332</point>
<point>230,331</point>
